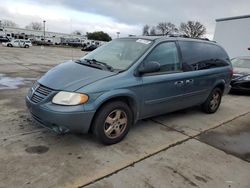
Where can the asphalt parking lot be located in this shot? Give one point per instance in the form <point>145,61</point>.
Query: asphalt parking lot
<point>183,149</point>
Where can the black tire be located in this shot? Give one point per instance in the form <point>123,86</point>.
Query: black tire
<point>9,45</point>
<point>210,106</point>
<point>101,126</point>
<point>26,46</point>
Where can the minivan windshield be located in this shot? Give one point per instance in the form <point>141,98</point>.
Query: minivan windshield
<point>119,53</point>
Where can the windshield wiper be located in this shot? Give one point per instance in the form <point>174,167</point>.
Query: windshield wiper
<point>94,61</point>
<point>84,63</point>
<point>79,61</point>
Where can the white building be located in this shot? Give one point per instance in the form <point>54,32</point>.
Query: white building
<point>54,37</point>
<point>233,34</point>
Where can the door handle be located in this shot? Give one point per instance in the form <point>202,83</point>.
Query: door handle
<point>190,81</point>
<point>179,83</point>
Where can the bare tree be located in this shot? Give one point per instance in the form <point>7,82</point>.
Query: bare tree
<point>77,32</point>
<point>34,26</point>
<point>8,23</point>
<point>145,30</point>
<point>193,29</point>
<point>166,28</point>
<point>152,31</point>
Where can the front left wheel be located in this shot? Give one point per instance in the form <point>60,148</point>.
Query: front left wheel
<point>112,122</point>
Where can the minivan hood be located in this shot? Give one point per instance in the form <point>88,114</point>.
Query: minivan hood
<point>71,76</point>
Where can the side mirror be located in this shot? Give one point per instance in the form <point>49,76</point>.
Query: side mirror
<point>151,66</point>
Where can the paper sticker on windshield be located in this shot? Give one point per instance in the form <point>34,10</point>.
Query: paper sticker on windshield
<point>143,41</point>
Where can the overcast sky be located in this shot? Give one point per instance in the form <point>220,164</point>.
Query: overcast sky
<point>125,16</point>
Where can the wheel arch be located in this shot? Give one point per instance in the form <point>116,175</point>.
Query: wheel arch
<point>220,84</point>
<point>129,99</point>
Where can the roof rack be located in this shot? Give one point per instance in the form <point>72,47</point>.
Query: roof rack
<point>178,35</point>
<point>185,36</point>
<point>182,36</point>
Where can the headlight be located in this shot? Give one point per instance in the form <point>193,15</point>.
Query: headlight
<point>69,98</point>
<point>246,77</point>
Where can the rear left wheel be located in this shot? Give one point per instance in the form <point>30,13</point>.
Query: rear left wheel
<point>112,122</point>
<point>213,101</point>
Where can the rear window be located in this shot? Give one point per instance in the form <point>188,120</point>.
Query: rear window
<point>201,55</point>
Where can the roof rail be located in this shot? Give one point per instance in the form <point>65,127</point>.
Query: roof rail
<point>185,36</point>
<point>178,35</point>
<point>182,36</point>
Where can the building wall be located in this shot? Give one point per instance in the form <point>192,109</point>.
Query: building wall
<point>234,36</point>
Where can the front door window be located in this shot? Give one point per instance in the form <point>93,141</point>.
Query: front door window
<point>167,55</point>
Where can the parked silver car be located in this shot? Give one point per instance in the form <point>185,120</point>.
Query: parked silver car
<point>21,43</point>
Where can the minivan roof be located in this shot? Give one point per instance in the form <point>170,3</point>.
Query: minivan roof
<point>154,38</point>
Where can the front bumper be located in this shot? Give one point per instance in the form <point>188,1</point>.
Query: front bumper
<point>61,119</point>
<point>227,90</point>
<point>240,85</point>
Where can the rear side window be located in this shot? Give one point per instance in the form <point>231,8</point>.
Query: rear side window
<point>201,55</point>
<point>167,55</point>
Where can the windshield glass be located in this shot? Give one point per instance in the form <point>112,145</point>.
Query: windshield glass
<point>241,63</point>
<point>120,53</point>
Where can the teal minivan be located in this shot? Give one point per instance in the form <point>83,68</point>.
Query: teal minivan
<point>129,79</point>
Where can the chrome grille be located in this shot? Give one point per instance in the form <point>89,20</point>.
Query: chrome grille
<point>39,93</point>
<point>36,98</point>
<point>43,90</point>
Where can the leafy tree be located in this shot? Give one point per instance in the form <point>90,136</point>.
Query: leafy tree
<point>152,31</point>
<point>8,23</point>
<point>77,32</point>
<point>193,29</point>
<point>166,28</point>
<point>145,30</point>
<point>34,26</point>
<point>99,35</point>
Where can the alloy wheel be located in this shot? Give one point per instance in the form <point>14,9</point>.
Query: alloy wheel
<point>115,123</point>
<point>215,101</point>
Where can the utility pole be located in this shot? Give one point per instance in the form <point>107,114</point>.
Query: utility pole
<point>44,31</point>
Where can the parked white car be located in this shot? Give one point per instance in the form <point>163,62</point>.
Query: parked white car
<point>21,43</point>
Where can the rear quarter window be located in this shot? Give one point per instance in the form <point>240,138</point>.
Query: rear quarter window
<point>202,55</point>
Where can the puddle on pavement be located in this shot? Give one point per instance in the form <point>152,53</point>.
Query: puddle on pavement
<point>234,140</point>
<point>13,82</point>
<point>37,149</point>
